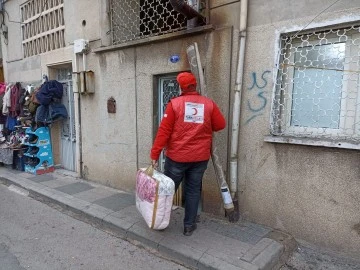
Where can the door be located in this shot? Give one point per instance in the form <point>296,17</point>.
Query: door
<point>68,135</point>
<point>168,89</point>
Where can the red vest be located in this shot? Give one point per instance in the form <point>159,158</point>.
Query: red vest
<point>191,138</point>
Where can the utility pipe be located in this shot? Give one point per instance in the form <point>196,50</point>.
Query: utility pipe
<point>234,175</point>
<point>77,107</point>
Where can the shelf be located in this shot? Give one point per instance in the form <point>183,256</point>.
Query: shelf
<point>44,155</point>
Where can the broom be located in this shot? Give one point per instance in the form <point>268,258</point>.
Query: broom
<point>230,206</point>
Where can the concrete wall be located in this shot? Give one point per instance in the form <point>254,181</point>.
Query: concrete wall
<point>311,192</point>
<point>123,140</point>
<point>109,140</point>
<point>15,69</point>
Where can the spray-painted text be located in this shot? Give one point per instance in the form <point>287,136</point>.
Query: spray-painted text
<point>257,105</point>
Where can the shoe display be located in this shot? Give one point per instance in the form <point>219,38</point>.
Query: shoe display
<point>188,230</point>
<point>38,158</point>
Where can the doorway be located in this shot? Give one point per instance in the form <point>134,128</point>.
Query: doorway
<point>68,131</point>
<point>167,89</point>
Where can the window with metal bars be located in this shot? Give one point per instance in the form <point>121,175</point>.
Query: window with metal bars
<point>43,26</point>
<point>318,85</point>
<point>138,19</point>
<point>157,17</point>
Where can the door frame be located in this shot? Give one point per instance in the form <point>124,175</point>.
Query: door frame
<point>53,75</point>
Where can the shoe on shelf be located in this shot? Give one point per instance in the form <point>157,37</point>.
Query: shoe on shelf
<point>33,139</point>
<point>188,230</point>
<point>26,160</point>
<point>33,162</point>
<point>33,151</point>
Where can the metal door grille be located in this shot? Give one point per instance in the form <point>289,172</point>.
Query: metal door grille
<point>68,129</point>
<point>169,88</point>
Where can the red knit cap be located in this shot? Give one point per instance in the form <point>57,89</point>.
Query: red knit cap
<point>187,81</point>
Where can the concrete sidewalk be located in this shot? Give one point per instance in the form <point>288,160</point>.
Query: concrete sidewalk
<point>216,244</point>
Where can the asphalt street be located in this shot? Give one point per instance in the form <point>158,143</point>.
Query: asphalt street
<point>35,236</point>
<point>309,258</point>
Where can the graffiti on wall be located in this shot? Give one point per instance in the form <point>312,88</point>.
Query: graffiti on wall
<point>257,104</point>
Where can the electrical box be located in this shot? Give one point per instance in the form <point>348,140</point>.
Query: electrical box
<point>80,46</point>
<point>89,82</point>
<point>85,82</point>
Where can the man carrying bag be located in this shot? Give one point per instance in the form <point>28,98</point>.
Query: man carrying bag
<point>186,132</point>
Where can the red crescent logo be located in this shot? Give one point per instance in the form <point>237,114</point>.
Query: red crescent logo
<point>195,111</point>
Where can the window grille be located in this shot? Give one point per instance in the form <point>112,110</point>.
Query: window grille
<point>169,89</point>
<point>43,26</point>
<point>138,19</point>
<point>317,88</point>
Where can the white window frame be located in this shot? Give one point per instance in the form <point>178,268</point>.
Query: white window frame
<point>346,122</point>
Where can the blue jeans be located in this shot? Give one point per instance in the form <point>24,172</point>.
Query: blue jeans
<point>192,174</point>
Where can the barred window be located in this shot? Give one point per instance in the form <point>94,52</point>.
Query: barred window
<point>317,89</point>
<point>43,26</point>
<point>137,19</point>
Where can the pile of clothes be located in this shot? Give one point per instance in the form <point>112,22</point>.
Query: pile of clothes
<point>29,108</point>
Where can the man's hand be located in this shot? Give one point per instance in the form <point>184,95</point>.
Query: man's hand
<point>154,163</point>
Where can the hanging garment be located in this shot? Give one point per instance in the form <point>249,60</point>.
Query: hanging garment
<point>47,114</point>
<point>11,122</point>
<point>2,88</point>
<point>7,99</point>
<point>2,94</point>
<point>49,92</point>
<point>14,100</point>
<point>2,120</point>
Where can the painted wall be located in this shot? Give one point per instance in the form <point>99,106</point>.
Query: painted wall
<point>123,140</point>
<point>311,192</point>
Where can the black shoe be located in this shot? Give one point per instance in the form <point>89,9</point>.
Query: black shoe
<point>33,162</point>
<point>34,151</point>
<point>188,230</point>
<point>26,160</point>
<point>33,140</point>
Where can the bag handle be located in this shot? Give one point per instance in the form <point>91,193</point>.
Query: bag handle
<point>150,170</point>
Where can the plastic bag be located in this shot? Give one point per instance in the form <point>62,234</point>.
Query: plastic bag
<point>154,197</point>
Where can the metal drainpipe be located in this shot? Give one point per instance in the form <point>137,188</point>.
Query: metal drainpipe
<point>81,172</point>
<point>234,175</point>
<point>77,103</point>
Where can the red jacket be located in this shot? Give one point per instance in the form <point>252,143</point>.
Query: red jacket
<point>186,128</point>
